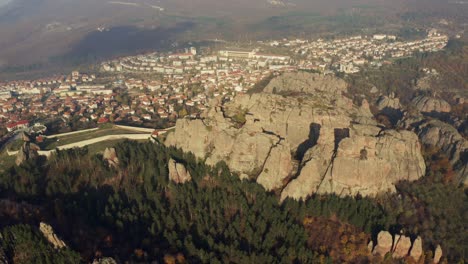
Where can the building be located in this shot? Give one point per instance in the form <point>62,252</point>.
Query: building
<point>18,125</point>
<point>242,54</point>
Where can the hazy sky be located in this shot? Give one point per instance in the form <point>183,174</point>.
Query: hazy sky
<point>3,2</point>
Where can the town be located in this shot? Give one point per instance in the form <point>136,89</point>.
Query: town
<point>154,90</point>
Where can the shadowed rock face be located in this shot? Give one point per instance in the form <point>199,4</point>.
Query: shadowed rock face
<point>445,138</point>
<point>427,104</point>
<point>304,138</point>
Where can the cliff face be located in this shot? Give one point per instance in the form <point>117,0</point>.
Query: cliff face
<point>442,136</point>
<point>301,136</point>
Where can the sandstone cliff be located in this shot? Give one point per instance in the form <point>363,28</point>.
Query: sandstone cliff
<point>301,136</point>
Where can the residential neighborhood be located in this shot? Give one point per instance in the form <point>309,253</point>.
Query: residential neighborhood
<point>154,90</point>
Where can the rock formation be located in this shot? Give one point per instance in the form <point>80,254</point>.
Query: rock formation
<point>111,157</point>
<point>178,173</point>
<point>301,134</point>
<point>437,254</point>
<point>303,82</point>
<point>426,104</point>
<point>441,136</point>
<point>401,247</point>
<point>49,234</point>
<point>364,164</point>
<point>384,243</point>
<point>28,151</point>
<point>390,102</point>
<point>105,261</point>
<point>417,249</point>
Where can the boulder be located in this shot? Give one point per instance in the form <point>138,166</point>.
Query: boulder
<point>401,246</point>
<point>385,102</point>
<point>426,104</point>
<point>178,173</point>
<point>384,243</point>
<point>437,254</point>
<point>49,234</point>
<point>111,157</point>
<point>417,249</point>
<point>29,151</point>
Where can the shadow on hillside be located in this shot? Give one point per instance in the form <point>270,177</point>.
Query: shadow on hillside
<point>124,40</point>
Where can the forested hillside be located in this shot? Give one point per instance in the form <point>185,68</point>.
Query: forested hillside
<point>134,212</point>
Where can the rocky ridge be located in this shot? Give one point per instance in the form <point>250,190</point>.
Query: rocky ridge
<point>440,136</point>
<point>426,104</point>
<point>301,136</point>
<point>400,246</point>
<point>49,234</point>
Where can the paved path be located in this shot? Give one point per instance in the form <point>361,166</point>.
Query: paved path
<point>72,133</point>
<point>88,142</point>
<point>148,133</point>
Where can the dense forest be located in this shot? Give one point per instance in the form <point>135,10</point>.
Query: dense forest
<point>133,212</point>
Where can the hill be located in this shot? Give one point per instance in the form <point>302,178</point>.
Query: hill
<point>51,32</point>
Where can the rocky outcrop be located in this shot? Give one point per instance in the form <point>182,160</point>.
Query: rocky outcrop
<point>29,151</point>
<point>426,104</point>
<point>388,102</point>
<point>303,82</point>
<point>384,243</point>
<point>362,163</point>
<point>178,173</point>
<point>277,167</point>
<point>104,261</point>
<point>442,136</point>
<point>301,136</point>
<point>49,234</point>
<point>111,157</point>
<point>437,254</point>
<point>417,249</point>
<point>401,247</point>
